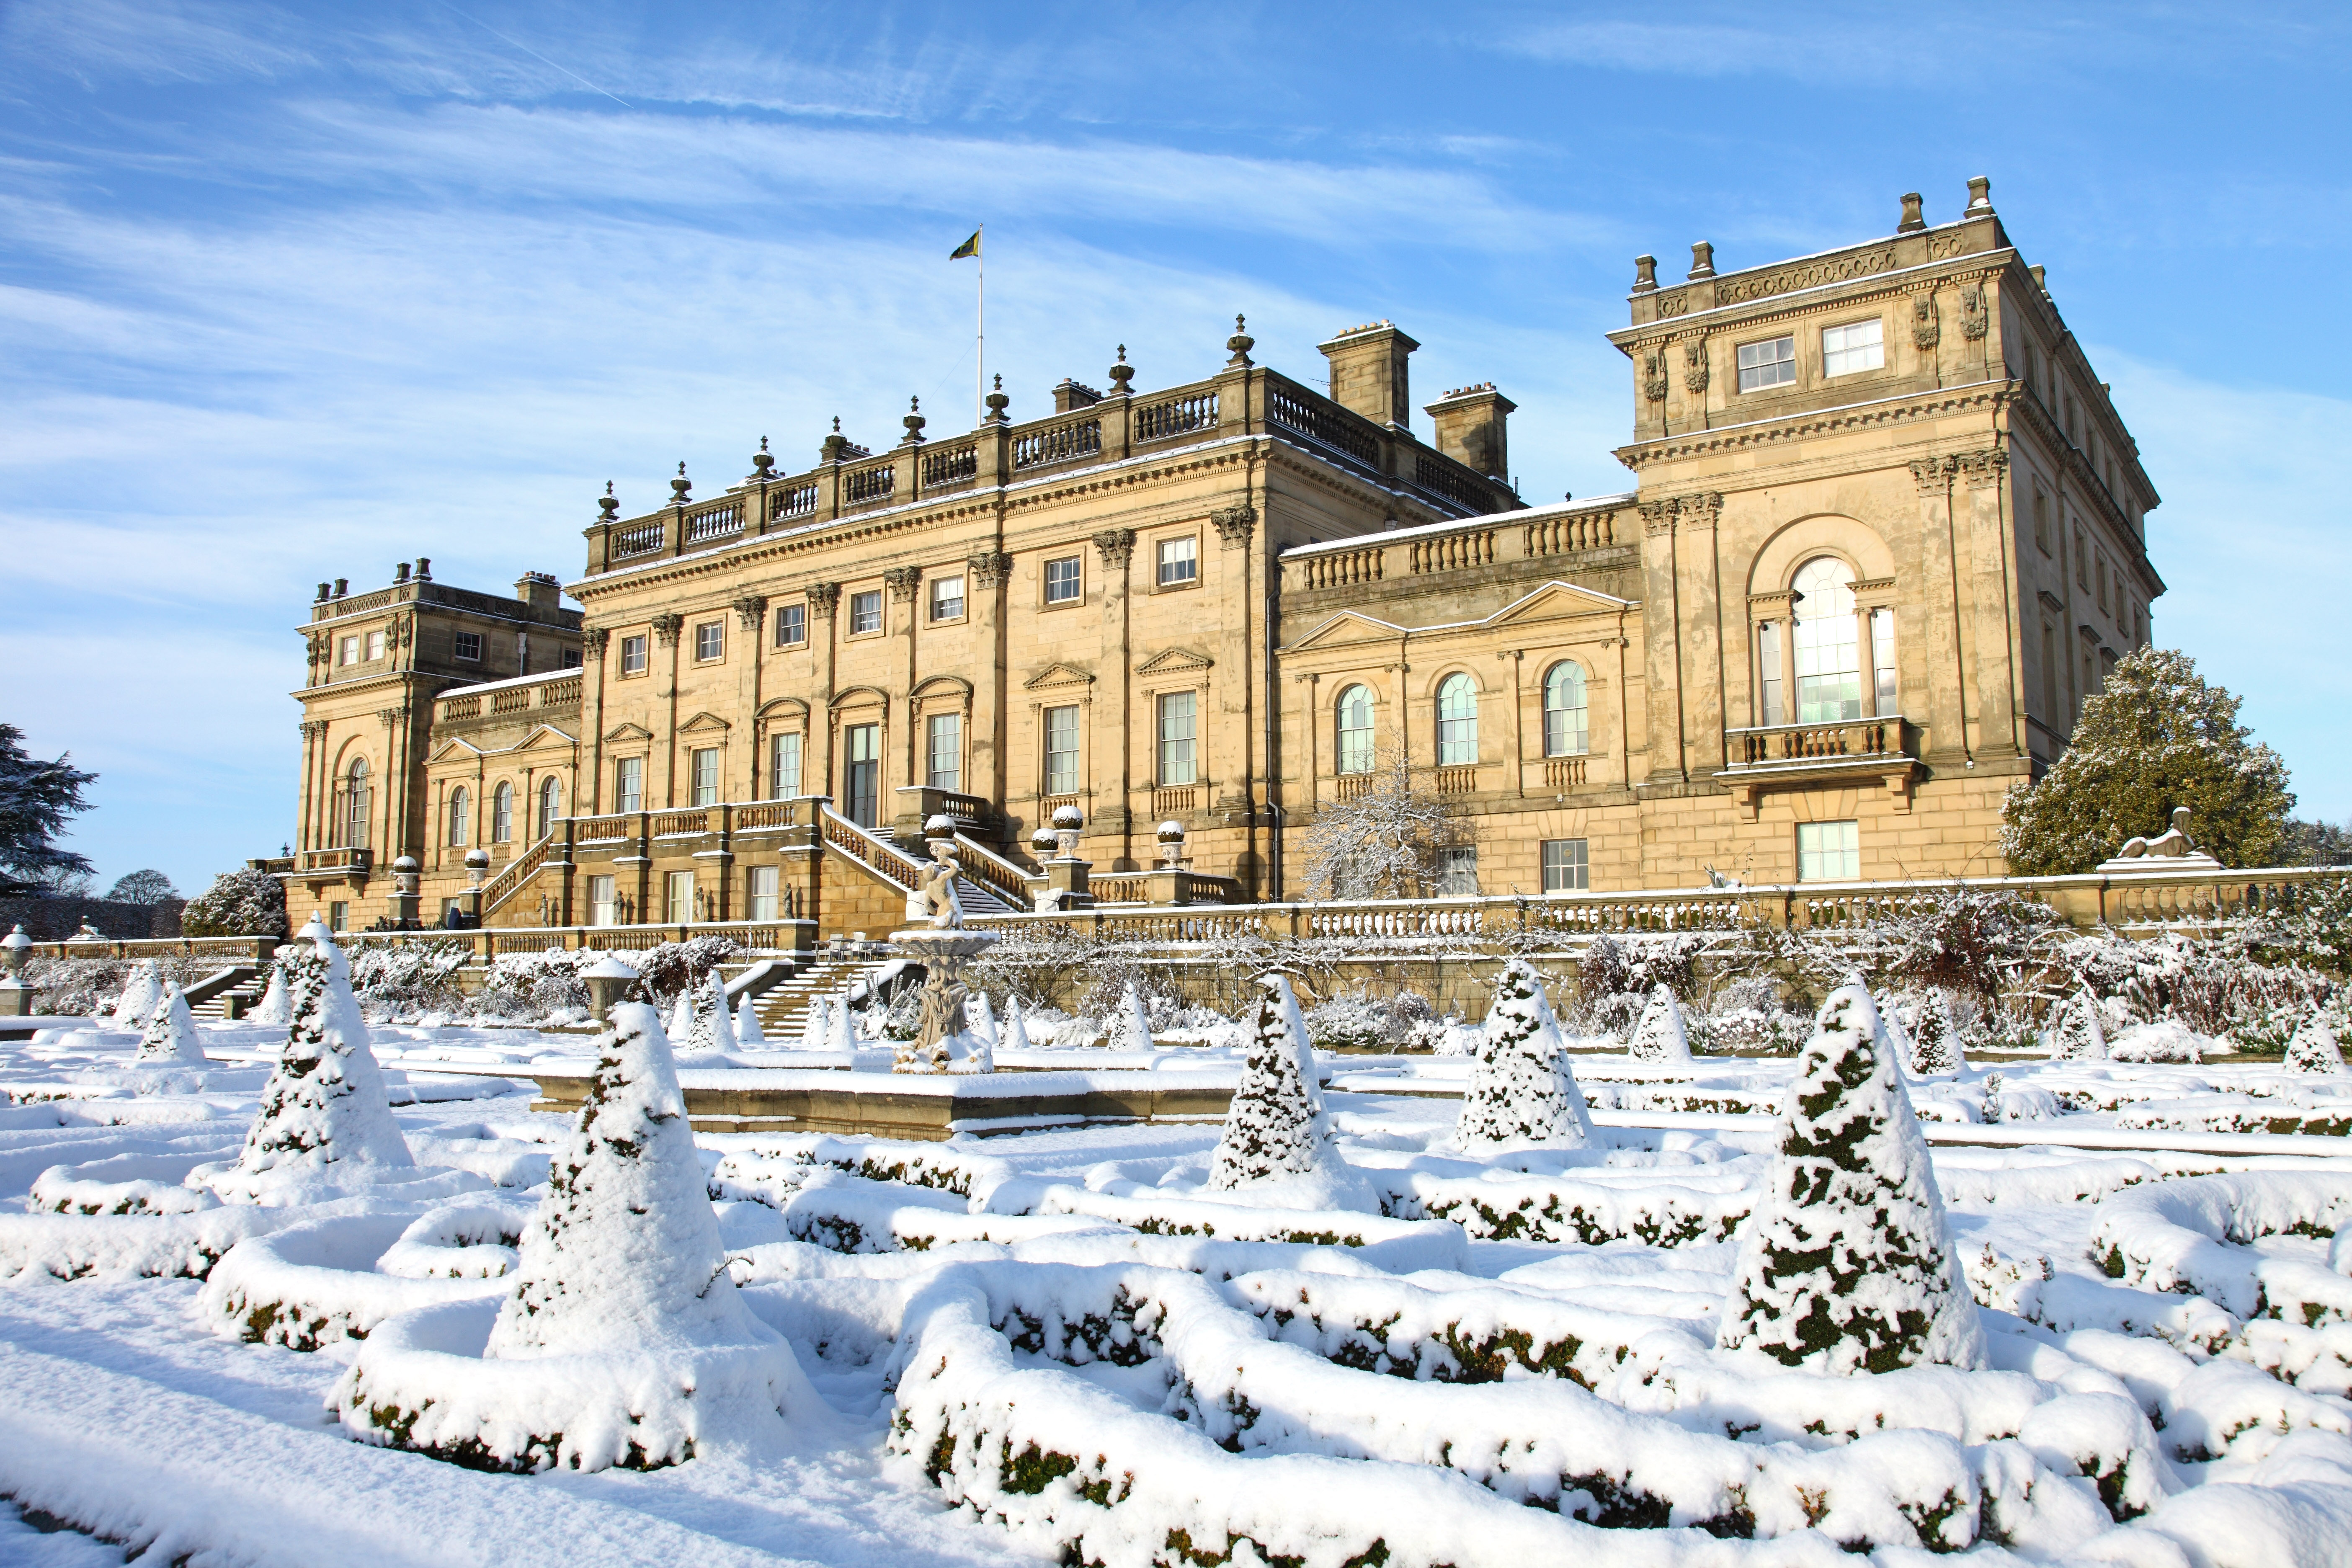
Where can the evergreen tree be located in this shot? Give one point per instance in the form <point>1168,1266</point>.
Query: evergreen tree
<point>272,1008</point>
<point>623,1255</point>
<point>238,904</point>
<point>816,1024</point>
<point>142,989</point>
<point>1521,1088</point>
<point>1658,1034</point>
<point>1847,1264</point>
<point>749,1035</point>
<point>2314,1047</point>
<point>1131,1023</point>
<point>36,798</point>
<point>1276,1126</point>
<point>2075,1032</point>
<point>1013,1034</point>
<point>171,1034</point>
<point>2155,737</point>
<point>841,1029</point>
<point>1936,1050</point>
<point>710,1028</point>
<point>324,1104</point>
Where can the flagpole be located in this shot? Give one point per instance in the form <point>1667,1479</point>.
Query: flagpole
<point>979,325</point>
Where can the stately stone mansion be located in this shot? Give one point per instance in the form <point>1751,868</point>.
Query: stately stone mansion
<point>1886,533</point>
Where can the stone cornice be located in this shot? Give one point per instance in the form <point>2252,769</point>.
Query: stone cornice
<point>1987,395</point>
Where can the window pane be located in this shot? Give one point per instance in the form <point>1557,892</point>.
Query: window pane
<point>947,598</point>
<point>682,898</point>
<point>633,655</point>
<point>375,645</point>
<point>1829,660</point>
<point>866,611</point>
<point>1061,750</point>
<point>784,765</point>
<point>708,643</point>
<point>1355,749</point>
<point>862,773</point>
<point>1564,867</point>
<point>792,625</point>
<point>502,814</point>
<point>1771,363</point>
<point>706,777</point>
<point>763,888</point>
<point>1565,734</point>
<point>550,805</point>
<point>1881,663</point>
<point>1829,851</point>
<point>1176,716</point>
<point>1062,580</point>
<point>1768,670</point>
<point>944,749</point>
<point>460,819</point>
<point>1177,560</point>
<point>1457,722</point>
<point>1457,871</point>
<point>349,653</point>
<point>629,789</point>
<point>1854,346</point>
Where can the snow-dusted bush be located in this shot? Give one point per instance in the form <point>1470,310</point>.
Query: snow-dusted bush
<point>2165,1040</point>
<point>1658,1032</point>
<point>2314,1047</point>
<point>749,1035</point>
<point>537,985</point>
<point>666,969</point>
<point>142,989</point>
<point>710,1030</point>
<point>273,1007</point>
<point>1749,1012</point>
<point>324,1107</point>
<point>93,987</point>
<point>1969,940</point>
<point>2075,1035</point>
<point>238,904</point>
<point>1936,1049</point>
<point>2215,986</point>
<point>1521,1089</point>
<point>1848,1266</point>
<point>171,1032</point>
<point>1617,975</point>
<point>1128,1027</point>
<point>1384,844</point>
<point>1275,1128</point>
<point>1363,1023</point>
<point>405,980</point>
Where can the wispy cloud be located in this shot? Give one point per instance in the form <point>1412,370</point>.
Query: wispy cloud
<point>98,40</point>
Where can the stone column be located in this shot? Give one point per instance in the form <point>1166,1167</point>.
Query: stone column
<point>1992,546</point>
<point>588,793</point>
<point>1661,645</point>
<point>823,599</point>
<point>1236,529</point>
<point>1700,608</point>
<point>1116,546</point>
<point>991,570</point>
<point>1942,620</point>
<point>666,627</point>
<point>751,619</point>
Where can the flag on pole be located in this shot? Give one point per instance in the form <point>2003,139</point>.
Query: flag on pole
<point>969,248</point>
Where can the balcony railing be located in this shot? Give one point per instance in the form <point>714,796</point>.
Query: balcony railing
<point>1346,569</point>
<point>643,540</point>
<point>1563,772</point>
<point>1461,780</point>
<point>1059,444</point>
<point>1176,416</point>
<point>956,466</point>
<point>792,500</point>
<point>341,858</point>
<point>1325,423</point>
<point>1803,745</point>
<point>865,486</point>
<point>1563,535</point>
<point>715,523</point>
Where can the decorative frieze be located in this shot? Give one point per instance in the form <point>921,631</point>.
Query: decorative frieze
<point>1975,320</point>
<point>1934,474</point>
<point>1700,510</point>
<point>1653,375</point>
<point>1984,468</point>
<point>1658,517</point>
<point>593,638</point>
<point>1927,326</point>
<point>1695,364</point>
<point>1806,275</point>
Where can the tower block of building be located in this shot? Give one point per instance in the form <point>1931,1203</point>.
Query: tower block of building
<point>1887,532</point>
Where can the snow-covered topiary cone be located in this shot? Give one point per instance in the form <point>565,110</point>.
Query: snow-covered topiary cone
<point>2314,1047</point>
<point>1936,1049</point>
<point>681,1015</point>
<point>710,1028</point>
<point>2074,1032</point>
<point>1276,1127</point>
<point>171,1034</point>
<point>816,1024</point>
<point>1131,1025</point>
<point>978,1016</point>
<point>749,1036</point>
<point>841,1029</point>
<point>623,1339</point>
<point>1658,1035</point>
<point>1012,1031</point>
<point>142,989</point>
<point>1893,1036</point>
<point>1521,1090</point>
<point>324,1106</point>
<point>1847,1264</point>
<point>272,1008</point>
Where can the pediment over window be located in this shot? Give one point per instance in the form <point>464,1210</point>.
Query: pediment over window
<point>1054,675</point>
<point>448,750</point>
<point>701,723</point>
<point>1554,600</point>
<point>1173,659</point>
<point>628,732</point>
<point>1346,627</point>
<point>546,737</point>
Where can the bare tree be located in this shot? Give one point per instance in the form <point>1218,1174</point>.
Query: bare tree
<point>1384,844</point>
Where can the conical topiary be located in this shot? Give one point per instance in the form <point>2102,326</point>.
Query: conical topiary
<point>1276,1126</point>
<point>710,1028</point>
<point>816,1024</point>
<point>1894,1037</point>
<point>1521,1090</point>
<point>2314,1047</point>
<point>1131,1022</point>
<point>324,1106</point>
<point>841,1029</point>
<point>1658,1034</point>
<point>142,989</point>
<point>272,1008</point>
<point>171,1034</point>
<point>681,1014</point>
<point>749,1035</point>
<point>1847,1264</point>
<point>1936,1049</point>
<point>2074,1032</point>
<point>1013,1029</point>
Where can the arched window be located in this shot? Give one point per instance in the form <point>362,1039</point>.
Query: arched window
<point>1355,749</point>
<point>461,818</point>
<point>550,805</point>
<point>355,805</point>
<point>502,815</point>
<point>1457,722</point>
<point>1827,643</point>
<point>1565,731</point>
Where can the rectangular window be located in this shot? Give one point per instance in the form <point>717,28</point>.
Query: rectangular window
<point>947,598</point>
<point>633,655</point>
<point>2082,561</point>
<point>339,915</point>
<point>1565,869</point>
<point>706,776</point>
<point>2042,518</point>
<point>760,888</point>
<point>1853,347</point>
<point>1062,581</point>
<point>1881,663</point>
<point>601,909</point>
<point>784,765</point>
<point>1457,871</point>
<point>866,612</point>
<point>2101,573</point>
<point>862,772</point>
<point>468,646</point>
<point>709,641</point>
<point>348,651</point>
<point>1062,751</point>
<point>1179,561</point>
<point>1176,716</point>
<point>1768,670</point>
<point>375,645</point>
<point>1829,851</point>
<point>571,658</point>
<point>682,898</point>
<point>1767,365</point>
<point>792,625</point>
<point>943,750</point>
<point>2049,672</point>
<point>629,784</point>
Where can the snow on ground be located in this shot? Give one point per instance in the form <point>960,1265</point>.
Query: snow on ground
<point>1069,1336</point>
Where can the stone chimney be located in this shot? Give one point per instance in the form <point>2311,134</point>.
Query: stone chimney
<point>539,590</point>
<point>1472,428</point>
<point>1069,395</point>
<point>1369,373</point>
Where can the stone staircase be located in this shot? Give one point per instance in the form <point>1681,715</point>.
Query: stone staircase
<point>782,1008</point>
<point>244,982</point>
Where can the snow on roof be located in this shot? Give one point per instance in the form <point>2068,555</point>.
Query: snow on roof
<point>510,681</point>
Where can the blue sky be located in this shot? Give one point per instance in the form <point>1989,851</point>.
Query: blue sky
<point>293,292</point>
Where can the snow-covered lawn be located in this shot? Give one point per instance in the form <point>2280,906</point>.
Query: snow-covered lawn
<point>1484,1355</point>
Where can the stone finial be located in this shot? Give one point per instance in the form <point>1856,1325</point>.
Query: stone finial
<point>835,446</point>
<point>608,506</point>
<point>1912,221</point>
<point>1980,198</point>
<point>679,485</point>
<point>998,402</point>
<point>763,460</point>
<point>1646,275</point>
<point>1241,342</point>
<point>1702,259</point>
<point>914,421</point>
<point>1121,373</point>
